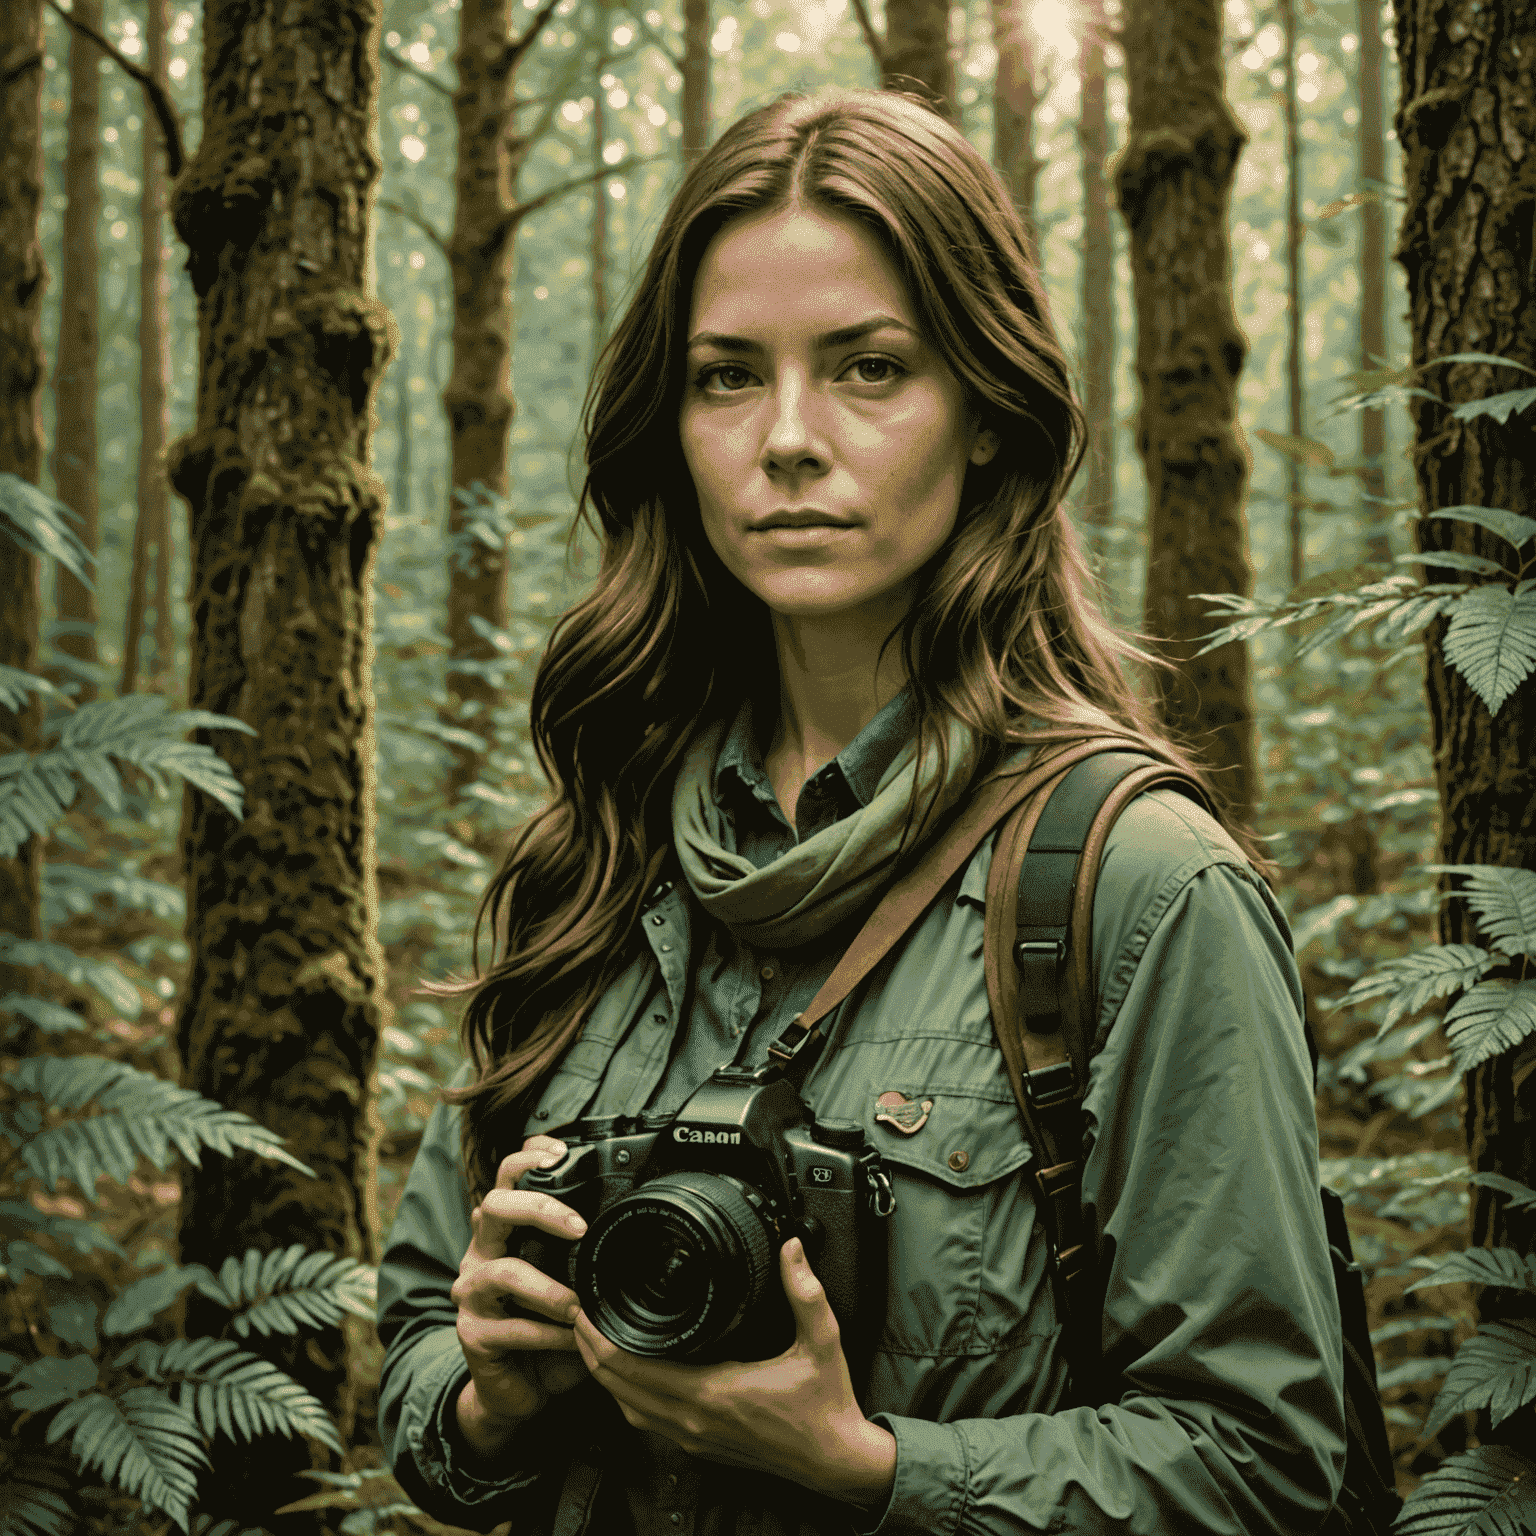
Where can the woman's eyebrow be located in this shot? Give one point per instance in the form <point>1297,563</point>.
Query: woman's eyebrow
<point>838,338</point>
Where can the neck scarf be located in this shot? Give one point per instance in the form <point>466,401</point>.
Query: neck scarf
<point>828,879</point>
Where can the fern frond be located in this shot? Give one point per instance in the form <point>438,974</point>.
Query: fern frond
<point>75,887</point>
<point>1410,981</point>
<point>144,1117</point>
<point>39,524</point>
<point>1494,1016</point>
<point>1504,900</point>
<point>15,685</point>
<point>101,976</point>
<point>293,1288</point>
<point>230,1390</point>
<point>137,1305</point>
<point>1487,1491</point>
<point>141,1442</point>
<point>51,1018</point>
<point>32,1501</point>
<point>1483,1266</point>
<point>83,1236</point>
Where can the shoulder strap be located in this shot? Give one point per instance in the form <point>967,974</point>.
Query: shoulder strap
<point>1039,967</point>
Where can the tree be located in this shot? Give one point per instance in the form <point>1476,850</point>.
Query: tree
<point>1174,179</point>
<point>22,279</point>
<point>913,52</point>
<point>694,68</point>
<point>284,1005</point>
<point>1372,162</point>
<point>152,527</point>
<point>1014,99</point>
<point>1294,358</point>
<point>1467,126</point>
<point>75,381</point>
<point>1098,285</point>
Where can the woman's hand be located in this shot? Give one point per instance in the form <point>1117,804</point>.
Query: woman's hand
<point>515,1363</point>
<point>794,1416</point>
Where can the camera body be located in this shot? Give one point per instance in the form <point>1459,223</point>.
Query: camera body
<point>686,1215</point>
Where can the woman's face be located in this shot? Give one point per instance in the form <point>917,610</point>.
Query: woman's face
<point>827,439</point>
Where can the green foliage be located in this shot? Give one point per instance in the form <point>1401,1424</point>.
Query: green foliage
<point>1504,901</point>
<point>290,1288</point>
<point>1494,1016</point>
<point>39,524</point>
<point>372,1498</point>
<point>36,788</point>
<point>1512,528</point>
<point>102,976</point>
<point>16,686</point>
<point>1489,1491</point>
<point>1410,981</point>
<point>1495,1369</point>
<point>76,888</point>
<point>32,1501</point>
<point>1492,639</point>
<point>1500,407</point>
<point>1484,1266</point>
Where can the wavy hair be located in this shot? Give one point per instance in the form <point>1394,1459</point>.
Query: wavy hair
<point>1005,633</point>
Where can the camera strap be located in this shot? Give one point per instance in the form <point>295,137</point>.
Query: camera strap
<point>797,1049</point>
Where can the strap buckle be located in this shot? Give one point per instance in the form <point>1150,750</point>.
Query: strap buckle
<point>1054,950</point>
<point>787,1048</point>
<point>1050,1085</point>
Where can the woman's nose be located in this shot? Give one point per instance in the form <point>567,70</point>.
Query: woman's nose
<point>791,438</point>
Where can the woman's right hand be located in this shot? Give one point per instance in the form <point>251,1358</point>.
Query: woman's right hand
<point>515,1363</point>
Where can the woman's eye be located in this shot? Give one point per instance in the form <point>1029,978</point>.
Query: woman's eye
<point>876,370</point>
<point>728,376</point>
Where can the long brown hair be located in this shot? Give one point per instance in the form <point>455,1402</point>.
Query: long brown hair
<point>1004,628</point>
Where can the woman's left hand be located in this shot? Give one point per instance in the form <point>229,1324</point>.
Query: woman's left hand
<point>794,1416</point>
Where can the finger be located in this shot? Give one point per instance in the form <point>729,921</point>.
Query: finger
<point>500,1336</point>
<point>491,1289</point>
<point>504,1209</point>
<point>668,1379</point>
<point>815,1324</point>
<point>536,1152</point>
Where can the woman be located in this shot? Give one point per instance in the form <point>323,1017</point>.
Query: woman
<point>835,418</point>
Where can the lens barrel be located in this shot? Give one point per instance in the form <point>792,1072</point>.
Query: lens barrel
<point>669,1269</point>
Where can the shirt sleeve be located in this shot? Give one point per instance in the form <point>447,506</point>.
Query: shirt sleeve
<point>424,1369</point>
<point>1221,1321</point>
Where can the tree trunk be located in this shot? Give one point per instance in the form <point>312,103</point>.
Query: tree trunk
<point>598,234</point>
<point>285,1002</point>
<point>405,468</point>
<point>479,396</point>
<point>22,279</point>
<point>152,527</point>
<point>915,53</point>
<point>74,381</point>
<point>1373,278</point>
<point>1295,389</point>
<point>1014,101</point>
<point>1467,125</point>
<point>695,73</point>
<point>1174,180</point>
<point>1098,280</point>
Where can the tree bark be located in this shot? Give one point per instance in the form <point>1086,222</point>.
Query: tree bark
<point>285,1003</point>
<point>915,53</point>
<point>1014,99</point>
<point>152,526</point>
<point>74,381</point>
<point>1174,180</point>
<point>22,280</point>
<point>478,398</point>
<point>1467,126</point>
<point>1372,149</point>
<point>695,73</point>
<point>1294,357</point>
<point>1098,280</point>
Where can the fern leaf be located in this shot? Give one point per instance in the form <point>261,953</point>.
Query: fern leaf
<point>1489,1491</point>
<point>139,1304</point>
<point>32,1501</point>
<point>1509,526</point>
<point>1410,981</point>
<point>1483,1266</point>
<point>289,1289</point>
<point>141,1442</point>
<point>1493,1017</point>
<point>101,976</point>
<point>51,1380</point>
<point>28,1259</point>
<point>1504,900</point>
<point>39,524</point>
<point>1492,641</point>
<point>75,887</point>
<point>1521,1196</point>
<point>1454,560</point>
<point>15,685</point>
<point>82,1236</point>
<point>51,1018</point>
<point>1495,1369</point>
<point>1501,407</point>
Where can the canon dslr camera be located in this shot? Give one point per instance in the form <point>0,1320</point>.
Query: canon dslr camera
<point>686,1215</point>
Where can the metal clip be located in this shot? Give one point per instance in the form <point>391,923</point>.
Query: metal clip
<point>1050,1085</point>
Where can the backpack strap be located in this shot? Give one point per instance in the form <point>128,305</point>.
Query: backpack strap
<point>1039,969</point>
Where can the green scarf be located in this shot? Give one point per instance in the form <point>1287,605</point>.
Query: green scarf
<point>826,880</point>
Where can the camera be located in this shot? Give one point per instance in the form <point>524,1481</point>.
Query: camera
<point>686,1215</point>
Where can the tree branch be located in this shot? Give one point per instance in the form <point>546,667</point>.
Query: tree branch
<point>412,217</point>
<point>871,36</point>
<point>534,204</point>
<point>521,45</point>
<point>164,108</point>
<point>402,63</point>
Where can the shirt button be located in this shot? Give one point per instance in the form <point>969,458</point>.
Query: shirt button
<point>542,1114</point>
<point>766,973</point>
<point>666,947</point>
<point>959,1161</point>
<point>659,921</point>
<point>658,1018</point>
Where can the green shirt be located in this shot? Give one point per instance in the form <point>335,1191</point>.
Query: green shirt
<point>1220,1313</point>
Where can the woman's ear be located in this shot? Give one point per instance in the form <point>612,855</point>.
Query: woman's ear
<point>985,446</point>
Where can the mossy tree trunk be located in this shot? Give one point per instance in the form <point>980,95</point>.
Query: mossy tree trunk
<point>152,526</point>
<point>285,1002</point>
<point>1372,163</point>
<point>1467,125</point>
<point>1174,179</point>
<point>478,398</point>
<point>1295,388</point>
<point>1014,99</point>
<point>74,380</point>
<point>695,73</point>
<point>913,52</point>
<point>1098,289</point>
<point>22,279</point>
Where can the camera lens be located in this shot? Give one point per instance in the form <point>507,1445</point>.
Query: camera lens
<point>670,1268</point>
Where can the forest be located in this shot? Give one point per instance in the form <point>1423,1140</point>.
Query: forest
<point>298,307</point>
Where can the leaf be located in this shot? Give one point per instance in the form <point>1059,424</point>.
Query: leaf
<point>1501,407</point>
<point>53,1379</point>
<point>1521,1196</point>
<point>1495,1369</point>
<point>1454,560</point>
<point>1489,1491</point>
<point>40,525</point>
<point>32,1501</point>
<point>141,1442</point>
<point>1493,1017</point>
<point>73,1320</point>
<point>51,1018</point>
<point>139,1304</point>
<point>76,887</point>
<point>289,1289</point>
<point>1406,1372</point>
<point>28,1259</point>
<point>1483,1266</point>
<point>1411,981</point>
<point>1492,641</point>
<point>1303,450</point>
<point>1480,357</point>
<point>1509,526</point>
<point>101,976</point>
<point>82,1236</point>
<point>15,685</point>
<point>1504,900</point>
